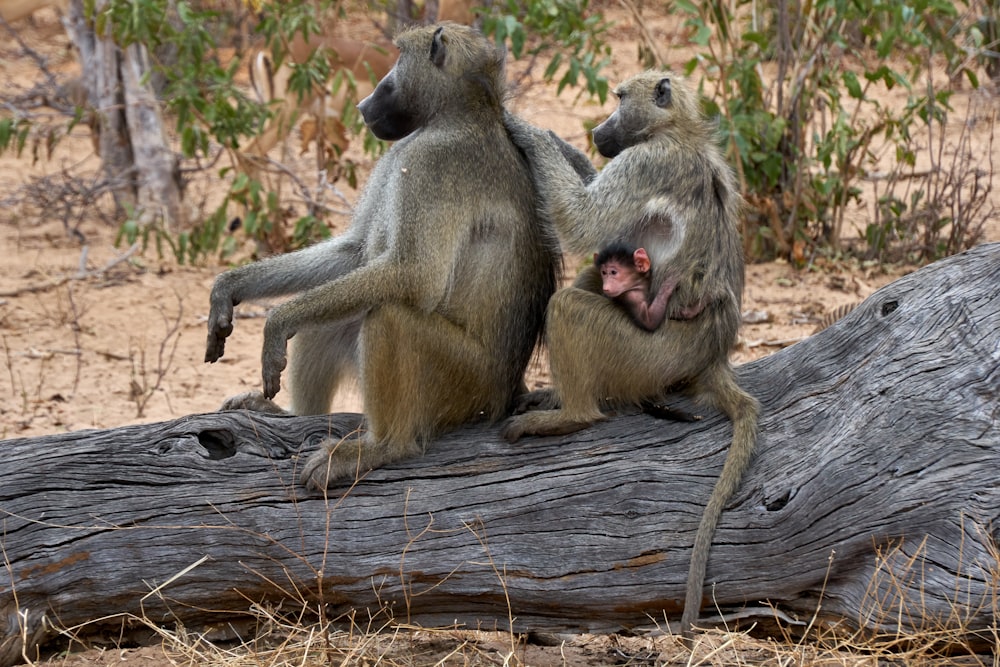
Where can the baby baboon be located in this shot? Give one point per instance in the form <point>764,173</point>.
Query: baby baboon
<point>669,190</point>
<point>625,278</point>
<point>436,293</point>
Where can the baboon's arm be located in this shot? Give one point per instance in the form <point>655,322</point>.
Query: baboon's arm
<point>276,276</point>
<point>586,213</point>
<point>414,271</point>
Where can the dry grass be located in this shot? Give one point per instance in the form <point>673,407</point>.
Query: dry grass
<point>298,633</point>
<point>281,640</point>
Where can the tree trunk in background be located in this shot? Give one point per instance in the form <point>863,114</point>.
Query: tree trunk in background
<point>872,503</point>
<point>155,163</point>
<point>134,150</point>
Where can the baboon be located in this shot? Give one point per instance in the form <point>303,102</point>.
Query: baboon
<point>669,190</point>
<point>625,279</point>
<point>436,293</point>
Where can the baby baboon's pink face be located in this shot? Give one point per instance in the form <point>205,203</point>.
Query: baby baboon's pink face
<point>618,278</point>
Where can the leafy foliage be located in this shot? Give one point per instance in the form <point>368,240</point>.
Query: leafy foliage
<point>210,110</point>
<point>802,135</point>
<point>14,134</point>
<point>566,28</point>
<point>796,88</point>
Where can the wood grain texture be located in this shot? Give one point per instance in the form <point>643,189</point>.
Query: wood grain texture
<point>874,490</point>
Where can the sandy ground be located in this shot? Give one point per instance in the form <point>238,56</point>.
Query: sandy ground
<point>94,339</point>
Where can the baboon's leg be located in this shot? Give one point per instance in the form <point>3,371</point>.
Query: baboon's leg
<point>422,373</point>
<point>320,359</point>
<point>419,375</point>
<point>582,327</point>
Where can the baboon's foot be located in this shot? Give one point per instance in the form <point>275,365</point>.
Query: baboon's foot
<point>671,414</point>
<point>334,460</point>
<point>540,399</point>
<point>545,422</point>
<point>348,458</point>
<point>254,401</point>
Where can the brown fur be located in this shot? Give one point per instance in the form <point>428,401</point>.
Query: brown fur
<point>668,189</point>
<point>436,294</point>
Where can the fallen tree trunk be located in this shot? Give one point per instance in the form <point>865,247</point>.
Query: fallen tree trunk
<point>873,501</point>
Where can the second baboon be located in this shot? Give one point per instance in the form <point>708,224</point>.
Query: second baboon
<point>436,293</point>
<point>668,189</point>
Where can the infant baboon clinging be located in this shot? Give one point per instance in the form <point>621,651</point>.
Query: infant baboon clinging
<point>625,279</point>
<point>669,190</point>
<point>436,293</point>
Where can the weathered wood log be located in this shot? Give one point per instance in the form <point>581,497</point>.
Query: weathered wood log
<point>873,501</point>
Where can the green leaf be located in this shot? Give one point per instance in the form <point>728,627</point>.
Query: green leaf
<point>971,76</point>
<point>687,7</point>
<point>853,85</point>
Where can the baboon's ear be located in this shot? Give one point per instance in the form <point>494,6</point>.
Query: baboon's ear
<point>437,48</point>
<point>641,260</point>
<point>662,93</point>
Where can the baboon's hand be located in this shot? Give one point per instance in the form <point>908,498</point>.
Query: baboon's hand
<point>220,322</point>
<point>274,354</point>
<point>523,134</point>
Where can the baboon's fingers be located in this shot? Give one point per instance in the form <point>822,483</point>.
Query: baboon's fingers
<point>214,349</point>
<point>272,366</point>
<point>272,383</point>
<point>274,355</point>
<point>219,328</point>
<point>252,400</point>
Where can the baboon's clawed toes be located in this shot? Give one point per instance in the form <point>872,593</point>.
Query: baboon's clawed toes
<point>335,460</point>
<point>253,401</point>
<point>511,431</point>
<point>317,471</point>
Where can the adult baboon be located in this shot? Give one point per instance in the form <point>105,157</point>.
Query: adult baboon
<point>436,293</point>
<point>667,189</point>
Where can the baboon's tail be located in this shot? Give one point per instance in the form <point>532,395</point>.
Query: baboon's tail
<point>720,389</point>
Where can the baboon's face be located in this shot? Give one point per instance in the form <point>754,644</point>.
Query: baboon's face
<point>643,102</point>
<point>438,67</point>
<point>385,110</point>
<point>395,108</point>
